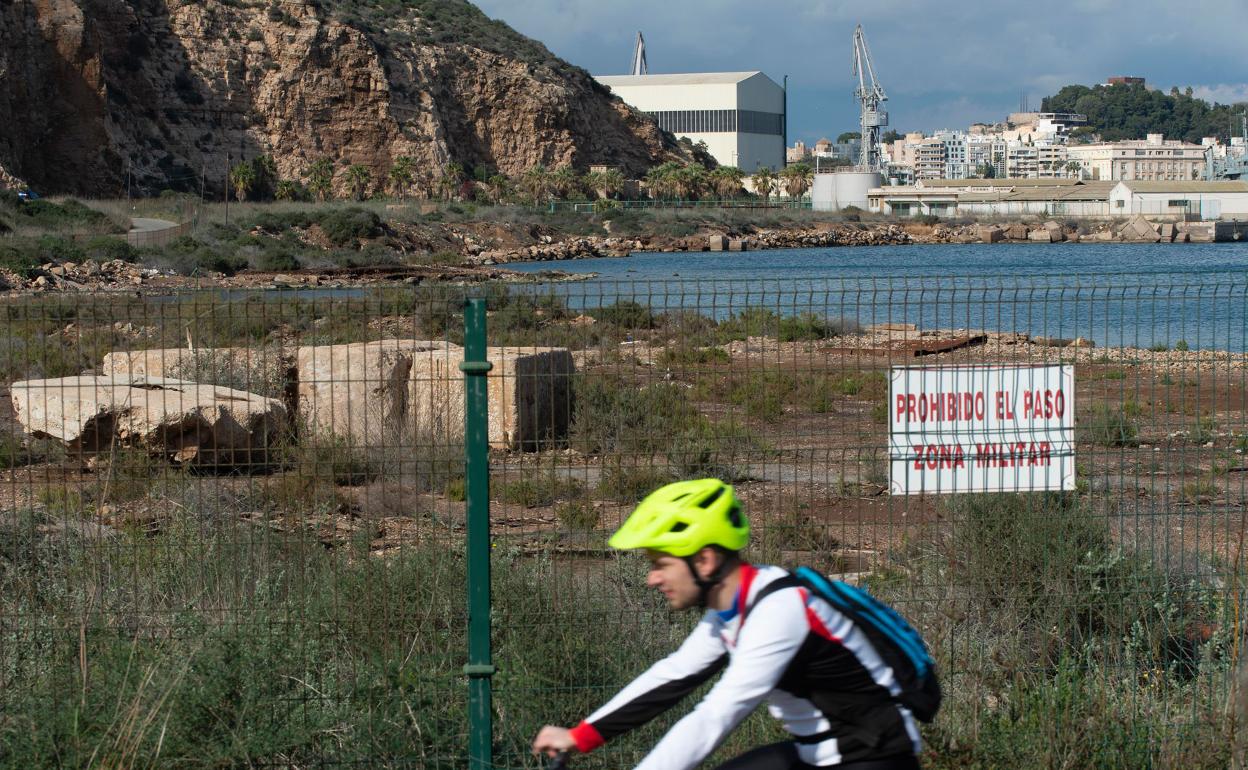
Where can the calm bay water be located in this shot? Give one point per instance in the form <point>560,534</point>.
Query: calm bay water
<point>1114,294</point>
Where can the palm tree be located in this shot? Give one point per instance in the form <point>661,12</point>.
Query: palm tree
<point>359,177</point>
<point>497,186</point>
<point>452,178</point>
<point>764,182</point>
<point>726,181</point>
<point>661,180</point>
<point>607,184</point>
<point>689,181</point>
<point>286,190</point>
<point>401,175</point>
<point>535,184</point>
<point>797,179</point>
<point>565,181</point>
<point>242,179</point>
<point>321,178</point>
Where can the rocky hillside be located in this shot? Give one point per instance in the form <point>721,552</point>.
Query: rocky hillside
<point>169,88</point>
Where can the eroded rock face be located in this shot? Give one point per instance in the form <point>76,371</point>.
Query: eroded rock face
<point>169,88</point>
<point>185,421</point>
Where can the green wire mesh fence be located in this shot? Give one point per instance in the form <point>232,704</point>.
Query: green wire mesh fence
<point>233,525</point>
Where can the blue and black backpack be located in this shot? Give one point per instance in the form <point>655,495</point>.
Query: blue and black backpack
<point>895,640</point>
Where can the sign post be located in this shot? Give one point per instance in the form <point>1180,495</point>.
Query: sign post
<point>966,429</point>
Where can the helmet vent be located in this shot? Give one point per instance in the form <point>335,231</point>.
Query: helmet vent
<point>679,526</point>
<point>712,497</point>
<point>734,515</point>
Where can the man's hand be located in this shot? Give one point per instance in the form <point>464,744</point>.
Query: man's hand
<point>551,740</point>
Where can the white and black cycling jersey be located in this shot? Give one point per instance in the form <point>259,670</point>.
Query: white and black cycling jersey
<point>818,672</point>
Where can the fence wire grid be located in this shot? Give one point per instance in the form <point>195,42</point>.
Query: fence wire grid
<point>233,526</point>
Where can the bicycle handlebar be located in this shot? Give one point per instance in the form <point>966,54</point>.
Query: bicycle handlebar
<point>560,762</point>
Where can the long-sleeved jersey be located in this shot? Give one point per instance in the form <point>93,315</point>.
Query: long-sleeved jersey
<point>819,673</point>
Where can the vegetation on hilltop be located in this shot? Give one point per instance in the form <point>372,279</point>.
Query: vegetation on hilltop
<point>1123,111</point>
<point>447,22</point>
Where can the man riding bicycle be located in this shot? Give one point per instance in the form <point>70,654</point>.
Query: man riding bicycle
<point>818,671</point>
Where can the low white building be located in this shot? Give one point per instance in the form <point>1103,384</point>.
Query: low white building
<point>739,115</point>
<point>1190,200</point>
<point>994,198</point>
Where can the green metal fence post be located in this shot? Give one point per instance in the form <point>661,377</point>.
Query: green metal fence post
<point>477,471</point>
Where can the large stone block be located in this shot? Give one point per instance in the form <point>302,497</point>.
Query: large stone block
<point>991,234</point>
<point>362,391</point>
<point>395,392</point>
<point>1040,236</point>
<point>530,396</point>
<point>186,421</point>
<point>1138,230</point>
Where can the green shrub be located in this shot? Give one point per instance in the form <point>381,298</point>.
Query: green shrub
<point>535,491</point>
<point>630,483</point>
<point>103,248</point>
<point>611,415</point>
<point>1181,346</point>
<point>682,355</point>
<point>625,314</point>
<point>577,515</point>
<point>346,226</point>
<point>1107,427</point>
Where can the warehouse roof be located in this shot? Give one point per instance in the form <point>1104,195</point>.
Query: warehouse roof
<point>685,79</point>
<point>1186,187</point>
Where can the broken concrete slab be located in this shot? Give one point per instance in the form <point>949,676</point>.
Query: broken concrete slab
<point>191,423</point>
<point>266,371</point>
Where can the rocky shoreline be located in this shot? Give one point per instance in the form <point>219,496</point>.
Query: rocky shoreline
<point>485,249</point>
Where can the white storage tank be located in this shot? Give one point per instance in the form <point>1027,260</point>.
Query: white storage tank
<point>838,190</point>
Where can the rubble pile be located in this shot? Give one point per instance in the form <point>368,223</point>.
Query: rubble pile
<point>74,276</point>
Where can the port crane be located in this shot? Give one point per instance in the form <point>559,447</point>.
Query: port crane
<point>871,98</point>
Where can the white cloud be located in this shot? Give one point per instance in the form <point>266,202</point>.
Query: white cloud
<point>1223,93</point>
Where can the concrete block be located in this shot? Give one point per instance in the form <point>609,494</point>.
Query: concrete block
<point>1016,232</point>
<point>400,392</point>
<point>1040,236</point>
<point>991,234</point>
<point>1167,232</point>
<point>736,244</point>
<point>1138,230</point>
<point>1056,232</point>
<point>717,242</point>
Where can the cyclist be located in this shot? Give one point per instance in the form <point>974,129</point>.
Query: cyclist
<point>818,672</point>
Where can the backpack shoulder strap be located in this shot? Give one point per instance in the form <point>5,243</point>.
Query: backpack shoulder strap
<point>788,581</point>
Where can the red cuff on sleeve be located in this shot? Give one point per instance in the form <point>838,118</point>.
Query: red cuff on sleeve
<point>586,737</point>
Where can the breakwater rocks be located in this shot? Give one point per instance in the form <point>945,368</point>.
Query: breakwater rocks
<point>823,235</point>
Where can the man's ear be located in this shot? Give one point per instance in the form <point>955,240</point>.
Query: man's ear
<point>706,561</point>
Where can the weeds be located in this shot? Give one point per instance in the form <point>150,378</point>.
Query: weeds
<point>630,483</point>
<point>539,490</point>
<point>1106,427</point>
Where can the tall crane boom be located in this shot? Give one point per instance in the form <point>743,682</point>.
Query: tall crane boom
<point>871,98</point>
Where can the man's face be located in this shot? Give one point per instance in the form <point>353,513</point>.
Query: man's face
<point>671,576</point>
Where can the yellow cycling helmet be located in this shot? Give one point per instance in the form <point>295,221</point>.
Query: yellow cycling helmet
<point>681,518</point>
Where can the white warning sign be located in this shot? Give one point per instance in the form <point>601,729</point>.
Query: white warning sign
<point>963,429</point>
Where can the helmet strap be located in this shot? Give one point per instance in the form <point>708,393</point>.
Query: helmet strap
<point>706,584</point>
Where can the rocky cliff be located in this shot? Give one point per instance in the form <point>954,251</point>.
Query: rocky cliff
<point>169,90</point>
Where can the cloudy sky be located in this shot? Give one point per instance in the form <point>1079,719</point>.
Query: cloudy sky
<point>943,65</point>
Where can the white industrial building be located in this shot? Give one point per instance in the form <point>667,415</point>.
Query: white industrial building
<point>1190,200</point>
<point>739,115</point>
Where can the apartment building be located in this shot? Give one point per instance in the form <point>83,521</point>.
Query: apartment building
<point>929,159</point>
<point>1154,159</point>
